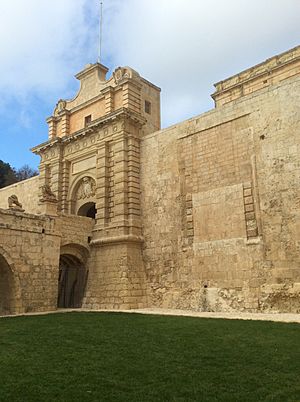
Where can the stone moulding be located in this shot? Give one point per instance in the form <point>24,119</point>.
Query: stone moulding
<point>118,239</point>
<point>94,126</point>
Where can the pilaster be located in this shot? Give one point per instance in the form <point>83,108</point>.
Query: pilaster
<point>51,127</point>
<point>102,186</point>
<point>65,123</point>
<point>65,186</point>
<point>133,176</point>
<point>56,174</point>
<point>109,99</point>
<point>132,96</point>
<point>120,218</point>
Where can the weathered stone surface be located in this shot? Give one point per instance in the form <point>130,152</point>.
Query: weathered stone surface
<point>203,215</point>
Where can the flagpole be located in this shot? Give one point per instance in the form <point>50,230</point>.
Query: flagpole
<point>100,33</point>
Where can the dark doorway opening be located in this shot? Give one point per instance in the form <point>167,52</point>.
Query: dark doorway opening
<point>71,282</point>
<point>88,210</point>
<point>7,296</point>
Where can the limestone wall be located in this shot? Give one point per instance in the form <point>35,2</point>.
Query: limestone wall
<point>27,192</point>
<point>203,215</point>
<point>269,73</point>
<point>74,229</point>
<point>30,250</point>
<point>277,124</point>
<point>116,277</point>
<point>30,246</point>
<point>220,206</point>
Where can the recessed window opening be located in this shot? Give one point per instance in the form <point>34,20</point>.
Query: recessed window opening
<point>148,107</point>
<point>87,120</point>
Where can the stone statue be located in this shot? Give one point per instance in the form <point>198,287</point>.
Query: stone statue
<point>47,194</point>
<point>86,188</point>
<point>13,203</point>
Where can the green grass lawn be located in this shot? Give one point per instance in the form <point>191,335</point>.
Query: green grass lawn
<point>133,357</point>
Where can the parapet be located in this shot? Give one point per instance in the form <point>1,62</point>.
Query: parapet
<point>98,98</point>
<point>270,72</point>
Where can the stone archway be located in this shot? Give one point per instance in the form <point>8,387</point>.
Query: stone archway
<point>8,289</point>
<point>71,282</point>
<point>88,209</point>
<point>82,196</point>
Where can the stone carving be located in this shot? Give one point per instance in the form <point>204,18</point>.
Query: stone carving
<point>47,194</point>
<point>13,203</point>
<point>60,107</point>
<point>86,188</point>
<point>120,74</point>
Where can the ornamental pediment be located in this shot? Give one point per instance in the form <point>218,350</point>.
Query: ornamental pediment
<point>92,84</point>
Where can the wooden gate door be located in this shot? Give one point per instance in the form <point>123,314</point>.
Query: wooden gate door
<point>71,283</point>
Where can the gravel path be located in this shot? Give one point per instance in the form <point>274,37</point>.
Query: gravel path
<point>280,317</point>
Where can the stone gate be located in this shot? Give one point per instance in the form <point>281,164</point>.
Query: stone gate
<point>203,215</point>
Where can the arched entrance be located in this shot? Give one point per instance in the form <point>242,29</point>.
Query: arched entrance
<point>71,282</point>
<point>7,288</point>
<point>88,209</point>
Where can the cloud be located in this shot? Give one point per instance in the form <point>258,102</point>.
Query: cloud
<point>41,43</point>
<point>185,46</point>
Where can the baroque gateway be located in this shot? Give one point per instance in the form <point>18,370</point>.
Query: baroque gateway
<point>203,215</point>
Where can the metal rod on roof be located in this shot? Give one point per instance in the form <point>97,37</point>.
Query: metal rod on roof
<point>100,33</point>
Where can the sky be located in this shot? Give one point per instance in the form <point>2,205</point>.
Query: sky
<point>182,46</point>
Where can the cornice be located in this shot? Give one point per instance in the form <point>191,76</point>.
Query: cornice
<point>265,68</point>
<point>87,71</point>
<point>46,145</point>
<point>119,114</point>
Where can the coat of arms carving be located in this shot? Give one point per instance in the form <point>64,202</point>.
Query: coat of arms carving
<point>86,189</point>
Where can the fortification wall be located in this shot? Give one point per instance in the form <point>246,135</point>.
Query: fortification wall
<point>30,250</point>
<point>74,229</point>
<point>220,205</point>
<point>30,246</point>
<point>271,72</point>
<point>27,192</point>
<point>116,277</point>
